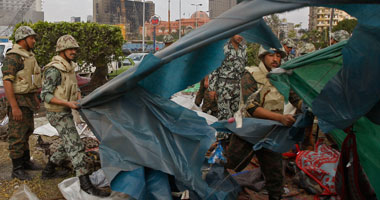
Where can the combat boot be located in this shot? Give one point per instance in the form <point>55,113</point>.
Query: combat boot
<point>18,170</point>
<point>49,171</point>
<point>28,164</point>
<point>86,185</point>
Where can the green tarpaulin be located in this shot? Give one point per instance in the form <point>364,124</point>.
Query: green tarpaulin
<point>307,76</point>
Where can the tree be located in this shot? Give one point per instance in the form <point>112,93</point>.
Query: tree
<point>274,23</point>
<point>252,53</point>
<point>347,25</point>
<point>99,45</point>
<point>292,34</point>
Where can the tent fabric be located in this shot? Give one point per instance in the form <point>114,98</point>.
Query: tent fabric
<point>128,119</point>
<point>340,103</point>
<point>262,133</point>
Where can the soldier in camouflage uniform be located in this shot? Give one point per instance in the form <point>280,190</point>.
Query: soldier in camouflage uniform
<point>203,94</point>
<point>60,93</point>
<point>22,79</point>
<point>288,45</point>
<point>339,36</point>
<point>262,100</point>
<point>225,81</point>
<point>168,40</point>
<point>306,48</point>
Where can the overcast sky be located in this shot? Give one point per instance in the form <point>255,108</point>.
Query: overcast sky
<point>63,10</point>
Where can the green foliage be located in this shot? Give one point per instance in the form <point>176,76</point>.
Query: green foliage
<point>252,52</point>
<point>274,23</point>
<point>319,39</point>
<point>347,25</point>
<point>99,43</point>
<point>292,34</point>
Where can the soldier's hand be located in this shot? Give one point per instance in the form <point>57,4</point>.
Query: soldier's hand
<point>73,104</point>
<point>17,114</point>
<point>287,120</point>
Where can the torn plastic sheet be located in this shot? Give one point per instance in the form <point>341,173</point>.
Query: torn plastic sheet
<point>167,137</point>
<point>269,134</point>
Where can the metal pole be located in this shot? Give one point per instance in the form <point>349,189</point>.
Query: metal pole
<point>180,25</point>
<point>154,39</point>
<point>170,29</point>
<point>143,31</point>
<point>196,16</point>
<point>331,24</point>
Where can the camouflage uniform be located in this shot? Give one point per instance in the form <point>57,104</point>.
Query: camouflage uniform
<point>239,152</point>
<point>289,43</point>
<point>306,48</point>
<point>225,81</point>
<point>209,104</point>
<point>62,119</point>
<point>340,35</point>
<point>19,131</point>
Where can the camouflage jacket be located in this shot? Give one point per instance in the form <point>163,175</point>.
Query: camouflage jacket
<point>249,86</point>
<point>52,77</point>
<point>12,64</point>
<point>232,67</point>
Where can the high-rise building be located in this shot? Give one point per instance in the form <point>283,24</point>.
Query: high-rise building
<point>15,11</point>
<point>218,7</point>
<point>128,14</point>
<point>319,17</point>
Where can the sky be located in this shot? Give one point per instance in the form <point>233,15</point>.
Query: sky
<point>63,10</point>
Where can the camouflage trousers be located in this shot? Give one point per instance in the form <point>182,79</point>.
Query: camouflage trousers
<point>228,99</point>
<point>71,147</point>
<point>239,154</point>
<point>19,132</point>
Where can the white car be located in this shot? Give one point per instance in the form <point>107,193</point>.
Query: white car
<point>137,57</point>
<point>4,47</point>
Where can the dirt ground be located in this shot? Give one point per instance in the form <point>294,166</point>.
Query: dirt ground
<point>44,189</point>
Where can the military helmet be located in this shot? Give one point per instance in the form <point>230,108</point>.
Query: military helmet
<point>340,35</point>
<point>263,52</point>
<point>306,48</point>
<point>66,42</point>
<point>23,32</point>
<point>289,43</point>
<point>168,39</point>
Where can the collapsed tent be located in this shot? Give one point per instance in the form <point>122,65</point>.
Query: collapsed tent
<point>143,132</point>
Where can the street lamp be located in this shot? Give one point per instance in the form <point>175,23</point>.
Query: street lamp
<point>196,10</point>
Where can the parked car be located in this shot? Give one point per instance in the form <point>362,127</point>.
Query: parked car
<point>137,57</point>
<point>124,66</point>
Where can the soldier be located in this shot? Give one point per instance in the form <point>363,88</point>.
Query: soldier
<point>168,40</point>
<point>288,45</point>
<point>339,36</point>
<point>209,103</point>
<point>60,93</point>
<point>306,48</point>
<point>22,79</point>
<point>224,83</point>
<point>268,103</point>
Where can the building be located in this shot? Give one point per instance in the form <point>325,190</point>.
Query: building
<point>13,12</point>
<point>218,7</point>
<point>90,18</point>
<point>75,19</point>
<point>285,28</point>
<point>128,14</point>
<point>319,17</point>
<point>197,19</point>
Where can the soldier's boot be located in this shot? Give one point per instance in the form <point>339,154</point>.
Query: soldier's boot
<point>86,185</point>
<point>49,171</point>
<point>28,164</point>
<point>18,170</point>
